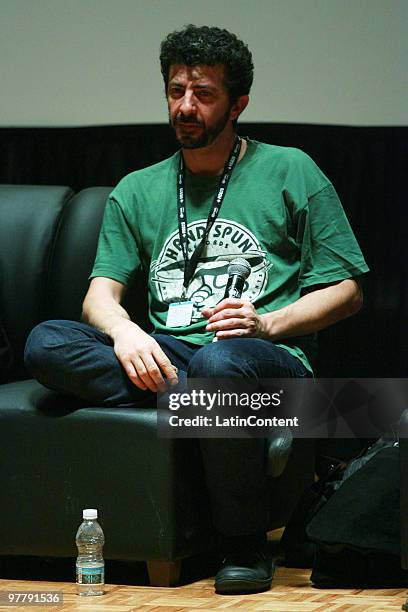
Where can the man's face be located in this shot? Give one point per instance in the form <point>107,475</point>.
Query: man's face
<point>199,105</point>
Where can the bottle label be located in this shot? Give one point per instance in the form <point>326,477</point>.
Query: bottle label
<point>90,575</point>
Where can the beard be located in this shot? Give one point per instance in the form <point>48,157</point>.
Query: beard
<point>205,137</point>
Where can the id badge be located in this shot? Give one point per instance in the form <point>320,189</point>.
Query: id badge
<point>179,314</point>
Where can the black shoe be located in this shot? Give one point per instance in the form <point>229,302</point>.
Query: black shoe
<point>245,570</point>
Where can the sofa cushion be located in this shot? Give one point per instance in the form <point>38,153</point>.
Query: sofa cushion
<point>60,456</point>
<point>29,219</point>
<point>5,354</point>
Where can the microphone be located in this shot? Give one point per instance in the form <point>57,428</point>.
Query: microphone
<point>238,271</point>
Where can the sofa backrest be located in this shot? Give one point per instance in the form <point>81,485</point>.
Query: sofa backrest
<point>73,253</point>
<point>48,240</point>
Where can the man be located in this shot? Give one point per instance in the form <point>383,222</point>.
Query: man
<point>183,220</point>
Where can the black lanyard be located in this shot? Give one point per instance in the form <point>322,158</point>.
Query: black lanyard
<point>191,264</point>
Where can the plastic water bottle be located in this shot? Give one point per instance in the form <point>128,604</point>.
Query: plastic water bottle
<point>90,566</point>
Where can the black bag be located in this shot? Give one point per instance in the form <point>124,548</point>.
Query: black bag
<point>298,549</point>
<point>351,531</point>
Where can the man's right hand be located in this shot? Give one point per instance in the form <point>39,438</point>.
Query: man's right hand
<point>143,359</point>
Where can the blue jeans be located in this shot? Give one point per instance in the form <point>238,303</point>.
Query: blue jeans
<point>76,359</point>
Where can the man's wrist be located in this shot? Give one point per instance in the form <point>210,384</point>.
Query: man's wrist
<point>271,324</point>
<point>116,327</point>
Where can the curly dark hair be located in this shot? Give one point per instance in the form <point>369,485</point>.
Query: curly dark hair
<point>210,46</point>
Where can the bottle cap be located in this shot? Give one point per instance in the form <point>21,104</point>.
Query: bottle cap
<point>90,513</point>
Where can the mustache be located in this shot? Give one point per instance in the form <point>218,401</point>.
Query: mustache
<point>188,119</point>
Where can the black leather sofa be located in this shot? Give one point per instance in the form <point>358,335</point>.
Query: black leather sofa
<point>58,456</point>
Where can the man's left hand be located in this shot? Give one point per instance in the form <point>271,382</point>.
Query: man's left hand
<point>234,318</point>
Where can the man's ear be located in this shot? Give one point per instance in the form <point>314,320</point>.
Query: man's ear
<point>238,107</point>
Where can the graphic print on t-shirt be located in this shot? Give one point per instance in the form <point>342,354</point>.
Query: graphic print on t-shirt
<point>226,241</point>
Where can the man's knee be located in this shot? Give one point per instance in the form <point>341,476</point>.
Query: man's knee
<point>38,349</point>
<point>244,358</point>
<point>218,360</point>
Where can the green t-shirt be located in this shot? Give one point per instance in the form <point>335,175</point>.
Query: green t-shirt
<point>280,213</point>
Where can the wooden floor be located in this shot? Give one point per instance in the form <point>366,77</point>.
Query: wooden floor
<point>291,592</point>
